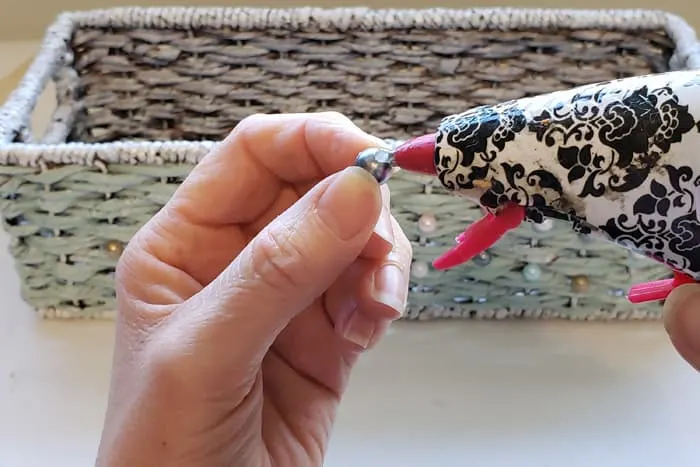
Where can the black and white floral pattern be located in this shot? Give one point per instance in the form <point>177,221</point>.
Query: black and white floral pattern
<point>620,158</point>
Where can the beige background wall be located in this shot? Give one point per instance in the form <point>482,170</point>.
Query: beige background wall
<point>26,19</point>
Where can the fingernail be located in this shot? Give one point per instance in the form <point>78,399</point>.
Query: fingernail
<point>347,204</point>
<point>354,327</point>
<point>390,288</point>
<point>384,228</point>
<point>682,318</point>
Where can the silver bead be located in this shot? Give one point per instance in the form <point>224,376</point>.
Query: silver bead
<point>482,259</point>
<point>419,269</point>
<point>617,292</point>
<point>378,162</point>
<point>532,273</point>
<point>427,223</point>
<point>545,226</point>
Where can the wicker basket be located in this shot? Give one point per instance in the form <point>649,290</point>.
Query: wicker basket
<point>143,94</point>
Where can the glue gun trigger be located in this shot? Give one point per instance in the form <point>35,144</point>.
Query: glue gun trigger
<point>657,290</point>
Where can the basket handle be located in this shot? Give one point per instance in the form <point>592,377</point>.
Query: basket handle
<point>687,53</point>
<point>15,114</point>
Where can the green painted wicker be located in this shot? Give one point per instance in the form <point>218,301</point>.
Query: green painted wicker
<point>142,94</point>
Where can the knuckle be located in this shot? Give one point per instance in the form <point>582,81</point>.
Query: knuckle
<point>333,116</point>
<point>249,125</point>
<point>274,259</point>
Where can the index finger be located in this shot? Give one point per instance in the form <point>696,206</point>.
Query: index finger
<point>243,176</point>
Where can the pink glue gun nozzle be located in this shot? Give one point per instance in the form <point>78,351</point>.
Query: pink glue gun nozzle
<point>418,155</point>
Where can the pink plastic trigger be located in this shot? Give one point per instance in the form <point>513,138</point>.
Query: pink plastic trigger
<point>481,235</point>
<point>657,290</point>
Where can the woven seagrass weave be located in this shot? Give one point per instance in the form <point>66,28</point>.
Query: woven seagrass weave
<point>143,94</point>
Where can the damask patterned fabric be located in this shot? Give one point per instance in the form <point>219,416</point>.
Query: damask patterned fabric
<point>619,159</point>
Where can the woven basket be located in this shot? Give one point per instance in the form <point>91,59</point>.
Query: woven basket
<point>143,94</point>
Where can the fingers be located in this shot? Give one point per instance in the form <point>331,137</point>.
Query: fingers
<point>381,241</point>
<point>355,315</point>
<point>361,314</point>
<point>682,322</point>
<point>241,178</point>
<point>290,263</point>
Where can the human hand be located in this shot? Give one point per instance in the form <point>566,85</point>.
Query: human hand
<point>246,301</point>
<point>682,322</point>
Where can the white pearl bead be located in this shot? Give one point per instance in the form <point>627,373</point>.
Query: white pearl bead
<point>546,225</point>
<point>532,272</point>
<point>419,269</point>
<point>427,223</point>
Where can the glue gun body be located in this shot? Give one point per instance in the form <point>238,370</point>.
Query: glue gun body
<point>619,160</point>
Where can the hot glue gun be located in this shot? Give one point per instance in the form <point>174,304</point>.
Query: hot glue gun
<point>619,160</point>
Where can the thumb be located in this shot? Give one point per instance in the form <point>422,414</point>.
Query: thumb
<point>293,260</point>
<point>682,322</point>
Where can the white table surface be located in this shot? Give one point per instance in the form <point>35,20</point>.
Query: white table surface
<point>433,394</point>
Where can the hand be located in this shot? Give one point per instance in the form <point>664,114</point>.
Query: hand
<point>682,322</point>
<point>246,301</point>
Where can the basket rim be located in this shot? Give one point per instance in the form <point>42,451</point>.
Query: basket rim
<point>374,19</point>
<point>54,53</point>
<point>37,155</point>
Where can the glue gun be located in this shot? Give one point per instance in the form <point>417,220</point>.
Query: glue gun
<point>619,160</point>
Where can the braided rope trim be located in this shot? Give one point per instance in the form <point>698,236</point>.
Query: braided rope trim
<point>343,19</point>
<point>55,53</point>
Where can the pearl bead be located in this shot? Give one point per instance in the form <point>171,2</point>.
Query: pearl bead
<point>532,272</point>
<point>482,259</point>
<point>419,269</point>
<point>545,226</point>
<point>427,223</point>
<point>580,284</point>
<point>114,248</point>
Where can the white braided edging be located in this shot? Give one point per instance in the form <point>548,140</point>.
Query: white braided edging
<point>55,53</point>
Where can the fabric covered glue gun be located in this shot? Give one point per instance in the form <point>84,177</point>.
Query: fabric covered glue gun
<point>619,160</point>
